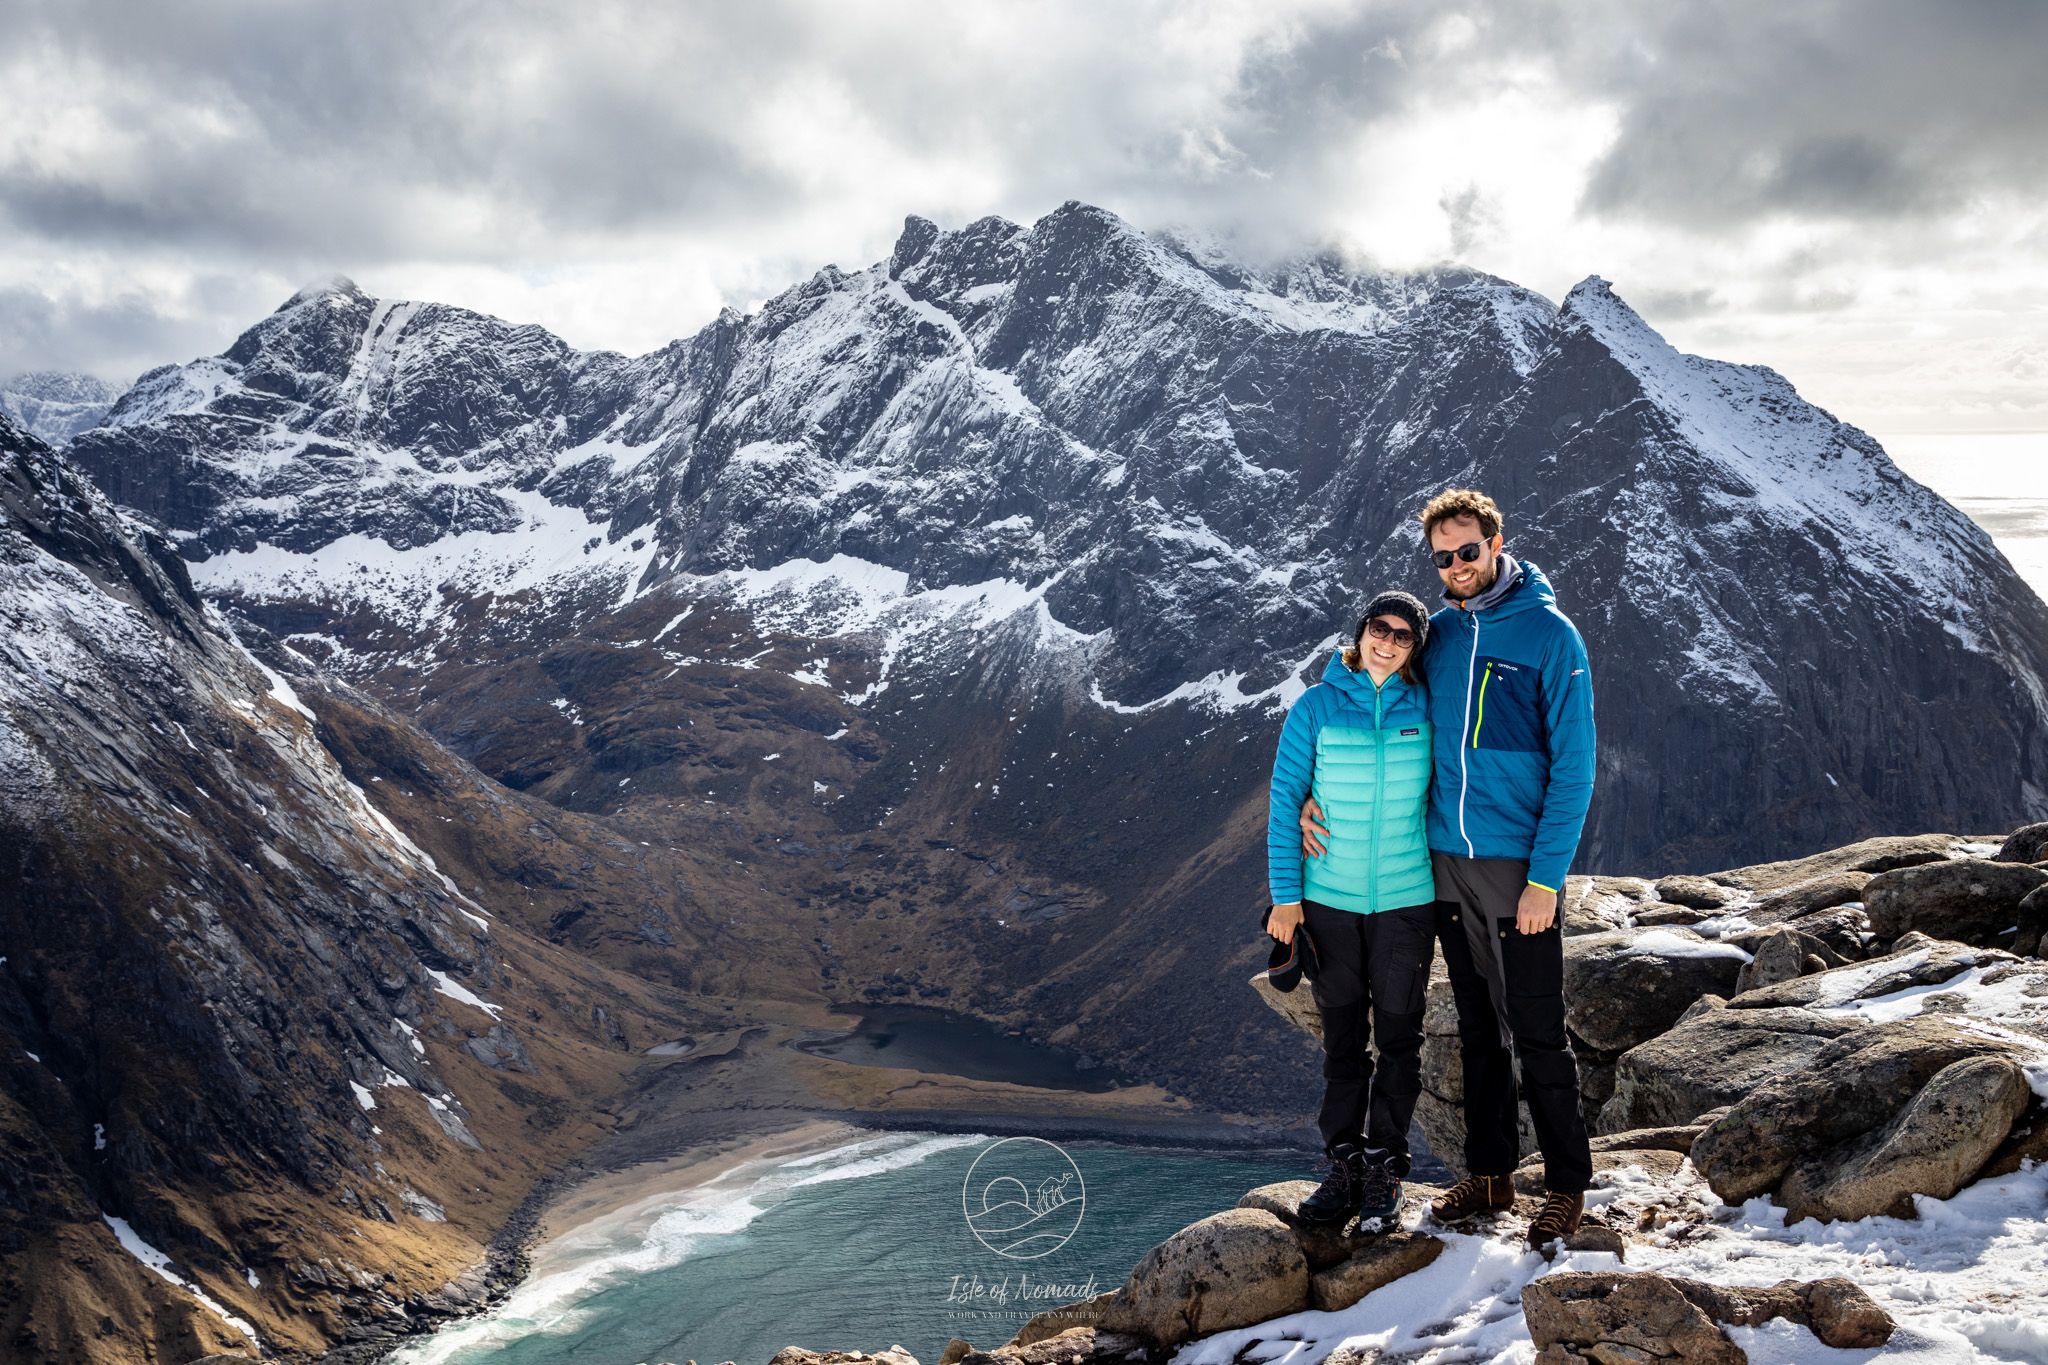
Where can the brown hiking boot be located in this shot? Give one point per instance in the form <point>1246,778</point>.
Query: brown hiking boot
<point>1559,1219</point>
<point>1473,1194</point>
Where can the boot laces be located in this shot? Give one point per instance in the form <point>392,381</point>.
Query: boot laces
<point>1555,1217</point>
<point>1339,1182</point>
<point>1378,1183</point>
<point>1471,1187</point>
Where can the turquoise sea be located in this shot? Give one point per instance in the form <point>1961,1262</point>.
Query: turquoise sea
<point>910,1238</point>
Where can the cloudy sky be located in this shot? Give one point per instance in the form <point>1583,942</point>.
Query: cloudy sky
<point>1851,192</point>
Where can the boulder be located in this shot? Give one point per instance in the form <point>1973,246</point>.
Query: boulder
<point>1678,1138</point>
<point>1870,855</point>
<point>1698,893</point>
<point>1073,1346</point>
<point>1936,1145</point>
<point>1845,929</point>
<point>1598,1237</point>
<point>1856,1084</point>
<point>1915,960</point>
<point>2033,923</point>
<point>1231,1269</point>
<point>1784,953</point>
<point>1969,900</point>
<point>1379,1262</point>
<point>1714,1059</point>
<point>1654,916</point>
<point>2028,1141</point>
<point>1659,1163</point>
<point>1581,1315</point>
<point>797,1355</point>
<point>1055,1322</point>
<point>1323,1244</point>
<point>1835,1310</point>
<point>1622,989</point>
<point>1297,1007</point>
<point>1806,898</point>
<point>2027,844</point>
<point>1599,905</point>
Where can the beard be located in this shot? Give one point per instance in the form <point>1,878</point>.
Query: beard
<point>1480,584</point>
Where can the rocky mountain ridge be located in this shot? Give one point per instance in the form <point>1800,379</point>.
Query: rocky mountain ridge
<point>56,406</point>
<point>1005,555</point>
<point>923,637</point>
<point>268,1075</point>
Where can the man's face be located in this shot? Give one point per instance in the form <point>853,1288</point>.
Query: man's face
<point>1463,581</point>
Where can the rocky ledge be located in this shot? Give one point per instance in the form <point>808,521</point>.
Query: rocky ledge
<point>1845,1039</point>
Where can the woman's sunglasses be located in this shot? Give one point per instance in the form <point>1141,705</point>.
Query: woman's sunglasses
<point>1401,638</point>
<point>1468,552</point>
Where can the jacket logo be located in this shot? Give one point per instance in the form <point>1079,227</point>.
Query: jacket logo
<point>1416,731</point>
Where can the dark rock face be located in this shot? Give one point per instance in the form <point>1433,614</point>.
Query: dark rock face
<point>996,543</point>
<point>231,987</point>
<point>1207,463</point>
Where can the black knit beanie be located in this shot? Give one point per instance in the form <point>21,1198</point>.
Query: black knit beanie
<point>1407,606</point>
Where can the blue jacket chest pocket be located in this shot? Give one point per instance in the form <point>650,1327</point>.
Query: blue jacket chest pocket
<point>1507,706</point>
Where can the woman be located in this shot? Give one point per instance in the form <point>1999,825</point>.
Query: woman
<point>1359,742</point>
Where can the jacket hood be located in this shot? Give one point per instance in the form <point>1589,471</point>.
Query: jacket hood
<point>1531,591</point>
<point>1359,684</point>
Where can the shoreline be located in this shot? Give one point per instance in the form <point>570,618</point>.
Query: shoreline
<point>586,1200</point>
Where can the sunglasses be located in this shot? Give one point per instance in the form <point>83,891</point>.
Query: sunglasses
<point>1468,552</point>
<point>1401,637</point>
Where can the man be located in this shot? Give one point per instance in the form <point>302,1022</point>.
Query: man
<point>1511,703</point>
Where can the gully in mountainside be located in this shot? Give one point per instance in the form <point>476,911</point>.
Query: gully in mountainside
<point>1511,702</point>
<point>1360,741</point>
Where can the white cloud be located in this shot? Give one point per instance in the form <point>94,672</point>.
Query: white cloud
<point>1849,193</point>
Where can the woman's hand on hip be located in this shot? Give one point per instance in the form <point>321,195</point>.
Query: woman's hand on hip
<point>1282,923</point>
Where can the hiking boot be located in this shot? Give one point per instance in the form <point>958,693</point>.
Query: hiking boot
<point>1336,1199</point>
<point>1379,1190</point>
<point>1559,1219</point>
<point>1473,1194</point>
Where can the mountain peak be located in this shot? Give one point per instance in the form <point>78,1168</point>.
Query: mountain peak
<point>334,288</point>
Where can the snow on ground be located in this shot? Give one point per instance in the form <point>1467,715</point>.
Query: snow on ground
<point>405,585</point>
<point>1966,1281</point>
<point>456,991</point>
<point>160,1265</point>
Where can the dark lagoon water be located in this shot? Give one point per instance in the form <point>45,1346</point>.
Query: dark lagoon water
<point>919,1038</point>
<point>910,1238</point>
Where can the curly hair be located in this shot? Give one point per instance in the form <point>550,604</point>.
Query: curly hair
<point>1461,502</point>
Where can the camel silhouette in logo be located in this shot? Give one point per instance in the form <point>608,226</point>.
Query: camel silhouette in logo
<point>1011,1215</point>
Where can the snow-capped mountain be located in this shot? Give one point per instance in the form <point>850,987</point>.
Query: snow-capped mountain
<point>1131,475</point>
<point>972,587</point>
<point>260,1055</point>
<point>57,406</point>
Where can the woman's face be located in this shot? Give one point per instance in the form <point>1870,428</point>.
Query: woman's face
<point>1384,656</point>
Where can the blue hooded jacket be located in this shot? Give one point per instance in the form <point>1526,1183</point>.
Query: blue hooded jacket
<point>1365,753</point>
<point>1511,696</point>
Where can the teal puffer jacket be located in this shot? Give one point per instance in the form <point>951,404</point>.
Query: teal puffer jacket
<point>1364,752</point>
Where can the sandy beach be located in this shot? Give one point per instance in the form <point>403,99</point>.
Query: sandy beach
<point>619,1203</point>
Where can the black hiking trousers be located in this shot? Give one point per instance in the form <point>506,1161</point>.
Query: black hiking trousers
<point>1373,974</point>
<point>1510,992</point>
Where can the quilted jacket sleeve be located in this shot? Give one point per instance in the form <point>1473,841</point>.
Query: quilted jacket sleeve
<point>1568,716</point>
<point>1294,768</point>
